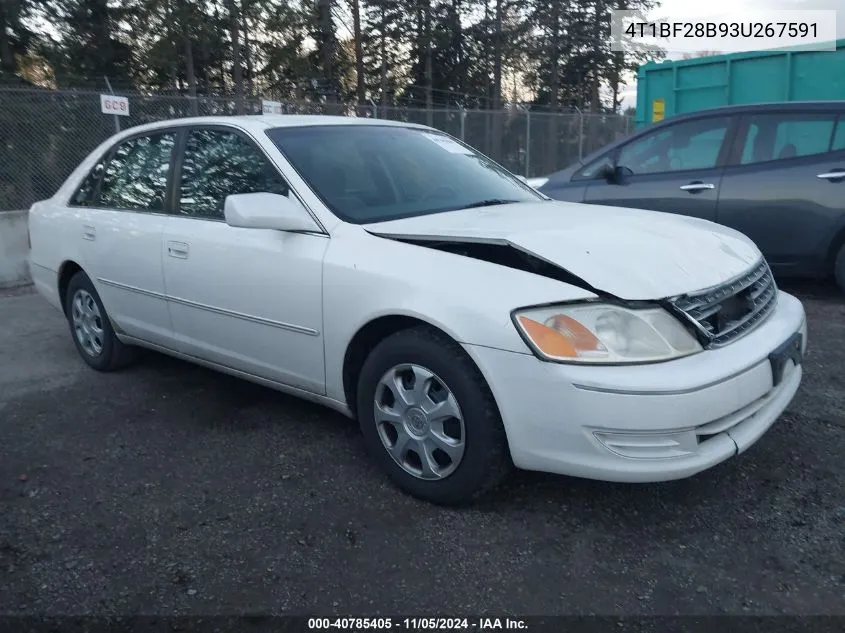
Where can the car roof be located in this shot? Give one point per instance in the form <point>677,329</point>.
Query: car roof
<point>783,106</point>
<point>261,122</point>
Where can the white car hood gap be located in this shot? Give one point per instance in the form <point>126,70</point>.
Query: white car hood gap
<point>629,253</point>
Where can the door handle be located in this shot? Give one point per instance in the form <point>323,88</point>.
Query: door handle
<point>698,186</point>
<point>177,249</point>
<point>89,232</point>
<point>831,175</point>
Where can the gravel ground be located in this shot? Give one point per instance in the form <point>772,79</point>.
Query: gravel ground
<point>170,489</point>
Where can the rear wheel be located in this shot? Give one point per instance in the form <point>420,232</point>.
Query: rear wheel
<point>91,329</point>
<point>429,419</point>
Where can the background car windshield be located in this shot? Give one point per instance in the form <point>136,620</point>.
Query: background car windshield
<point>368,173</point>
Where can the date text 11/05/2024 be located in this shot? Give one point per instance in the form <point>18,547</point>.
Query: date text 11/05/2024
<point>761,30</point>
<point>417,624</point>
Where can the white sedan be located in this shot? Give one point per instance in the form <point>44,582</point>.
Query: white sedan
<point>390,272</point>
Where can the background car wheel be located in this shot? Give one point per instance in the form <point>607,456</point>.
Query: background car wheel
<point>91,329</point>
<point>839,268</point>
<point>429,418</point>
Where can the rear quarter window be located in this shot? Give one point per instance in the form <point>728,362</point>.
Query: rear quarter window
<point>84,194</point>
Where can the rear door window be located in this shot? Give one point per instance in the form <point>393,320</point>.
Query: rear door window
<point>135,178</point>
<point>783,136</point>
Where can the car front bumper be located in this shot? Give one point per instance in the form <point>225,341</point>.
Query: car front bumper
<point>644,423</point>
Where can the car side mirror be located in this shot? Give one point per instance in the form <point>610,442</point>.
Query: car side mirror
<point>608,173</point>
<point>267,211</point>
<point>614,174</point>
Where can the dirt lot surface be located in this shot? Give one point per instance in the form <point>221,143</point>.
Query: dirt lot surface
<point>171,489</point>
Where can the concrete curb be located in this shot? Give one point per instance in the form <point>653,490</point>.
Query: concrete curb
<point>14,249</point>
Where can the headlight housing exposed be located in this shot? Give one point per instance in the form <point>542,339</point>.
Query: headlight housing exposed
<point>603,333</point>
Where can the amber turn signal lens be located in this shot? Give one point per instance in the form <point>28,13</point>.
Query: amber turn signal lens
<point>548,340</point>
<point>564,338</point>
<point>581,337</point>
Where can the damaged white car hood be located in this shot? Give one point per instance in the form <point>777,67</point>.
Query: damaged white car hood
<point>629,253</point>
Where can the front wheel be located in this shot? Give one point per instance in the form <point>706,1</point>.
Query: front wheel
<point>429,418</point>
<point>91,329</point>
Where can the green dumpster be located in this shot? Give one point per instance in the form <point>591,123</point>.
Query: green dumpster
<point>667,88</point>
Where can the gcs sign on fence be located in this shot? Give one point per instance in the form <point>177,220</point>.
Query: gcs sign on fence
<point>112,104</point>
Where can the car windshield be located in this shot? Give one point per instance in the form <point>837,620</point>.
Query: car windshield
<point>372,173</point>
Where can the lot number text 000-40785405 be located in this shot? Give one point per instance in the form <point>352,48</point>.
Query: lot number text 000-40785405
<point>417,624</point>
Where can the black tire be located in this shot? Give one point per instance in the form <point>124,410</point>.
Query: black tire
<point>486,458</point>
<point>113,354</point>
<point>839,268</point>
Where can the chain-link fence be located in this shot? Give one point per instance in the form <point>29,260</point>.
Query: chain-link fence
<point>46,133</point>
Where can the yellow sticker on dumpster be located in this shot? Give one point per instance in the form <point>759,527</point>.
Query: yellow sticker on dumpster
<point>658,110</point>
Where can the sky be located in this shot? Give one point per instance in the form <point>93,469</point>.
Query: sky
<point>715,10</point>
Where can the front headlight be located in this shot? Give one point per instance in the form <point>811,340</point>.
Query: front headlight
<point>604,333</point>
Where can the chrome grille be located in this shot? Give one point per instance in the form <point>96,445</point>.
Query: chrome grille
<point>725,313</point>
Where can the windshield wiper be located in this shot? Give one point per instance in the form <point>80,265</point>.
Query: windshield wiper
<point>492,202</point>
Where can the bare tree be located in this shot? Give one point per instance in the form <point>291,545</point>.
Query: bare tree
<point>237,71</point>
<point>360,78</point>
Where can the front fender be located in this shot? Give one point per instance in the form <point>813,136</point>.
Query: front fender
<point>367,277</point>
